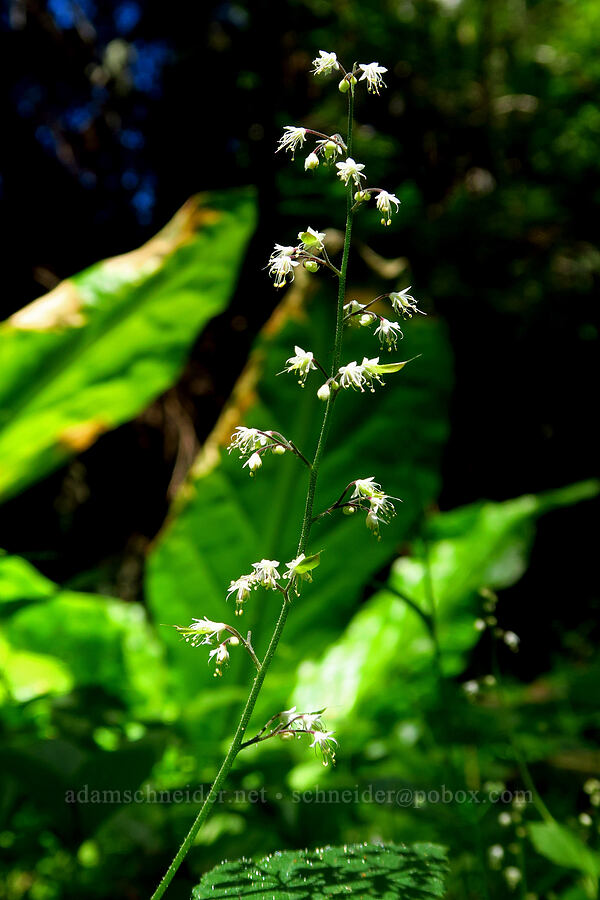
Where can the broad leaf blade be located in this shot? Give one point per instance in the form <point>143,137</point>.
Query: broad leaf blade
<point>482,545</point>
<point>386,871</point>
<point>98,348</point>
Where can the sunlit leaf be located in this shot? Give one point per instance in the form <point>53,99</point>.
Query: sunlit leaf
<point>98,348</point>
<point>414,872</point>
<point>564,848</point>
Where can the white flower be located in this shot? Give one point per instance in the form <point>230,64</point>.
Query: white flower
<point>330,148</point>
<point>280,267</point>
<point>366,487</point>
<point>352,376</point>
<point>302,363</point>
<point>292,566</point>
<point>369,367</point>
<point>293,137</point>
<point>311,238</point>
<point>310,720</point>
<point>384,205</point>
<point>381,509</point>
<point>389,332</point>
<point>323,743</point>
<point>241,587</point>
<point>513,876</point>
<point>265,572</point>
<point>325,63</point>
<point>311,161</point>
<point>201,631</point>
<point>511,640</point>
<point>246,440</point>
<point>253,463</point>
<point>349,169</point>
<point>222,658</point>
<point>404,304</point>
<point>281,250</point>
<point>373,72</point>
<point>287,716</point>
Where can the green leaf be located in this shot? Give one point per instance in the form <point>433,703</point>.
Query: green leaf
<point>309,563</point>
<point>102,345</point>
<point>481,545</point>
<point>564,848</point>
<point>388,368</point>
<point>386,871</point>
<point>223,521</point>
<point>64,638</point>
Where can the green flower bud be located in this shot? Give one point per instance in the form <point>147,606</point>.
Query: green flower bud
<point>344,86</point>
<point>310,265</point>
<point>330,149</point>
<point>278,450</point>
<point>348,510</point>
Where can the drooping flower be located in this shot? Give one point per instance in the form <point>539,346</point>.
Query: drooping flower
<point>254,462</point>
<point>323,743</point>
<point>221,654</point>
<point>325,63</point>
<point>349,169</point>
<point>329,148</point>
<point>247,440</point>
<point>293,137</point>
<point>201,631</point>
<point>265,572</point>
<point>373,72</point>
<point>302,363</point>
<point>242,588</point>
<point>381,509</point>
<point>311,161</point>
<point>384,205</point>
<point>281,267</point>
<point>366,487</point>
<point>324,392</point>
<point>404,304</point>
<point>352,376</point>
<point>389,332</point>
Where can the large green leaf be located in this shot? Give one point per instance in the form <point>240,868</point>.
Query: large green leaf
<point>387,871</point>
<point>98,348</point>
<point>60,639</point>
<point>223,520</point>
<point>563,847</point>
<point>484,545</point>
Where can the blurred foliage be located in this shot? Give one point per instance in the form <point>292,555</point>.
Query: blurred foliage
<point>102,345</point>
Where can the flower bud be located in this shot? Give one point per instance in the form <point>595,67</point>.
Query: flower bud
<point>311,265</point>
<point>233,641</point>
<point>311,161</point>
<point>324,392</point>
<point>348,510</point>
<point>344,86</point>
<point>330,149</point>
<point>278,450</point>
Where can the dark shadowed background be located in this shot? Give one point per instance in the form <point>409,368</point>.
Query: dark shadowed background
<point>115,113</point>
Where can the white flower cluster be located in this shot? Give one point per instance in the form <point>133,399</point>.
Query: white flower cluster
<point>357,376</point>
<point>202,631</point>
<point>367,494</point>
<point>253,443</point>
<point>266,574</point>
<point>296,724</point>
<point>389,332</point>
<point>284,259</point>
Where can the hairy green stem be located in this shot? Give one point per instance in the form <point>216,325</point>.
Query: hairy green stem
<point>238,738</point>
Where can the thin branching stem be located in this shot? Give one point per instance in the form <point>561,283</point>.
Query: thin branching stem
<point>238,739</point>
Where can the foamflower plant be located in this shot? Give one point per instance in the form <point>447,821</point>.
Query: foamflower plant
<point>332,378</point>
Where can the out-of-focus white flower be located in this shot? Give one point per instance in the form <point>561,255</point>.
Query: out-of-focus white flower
<point>384,205</point>
<point>404,304</point>
<point>511,640</point>
<point>513,876</point>
<point>471,688</point>
<point>311,161</point>
<point>373,72</point>
<point>265,572</point>
<point>293,136</point>
<point>325,63</point>
<point>389,332</point>
<point>349,169</point>
<point>302,363</point>
<point>247,440</point>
